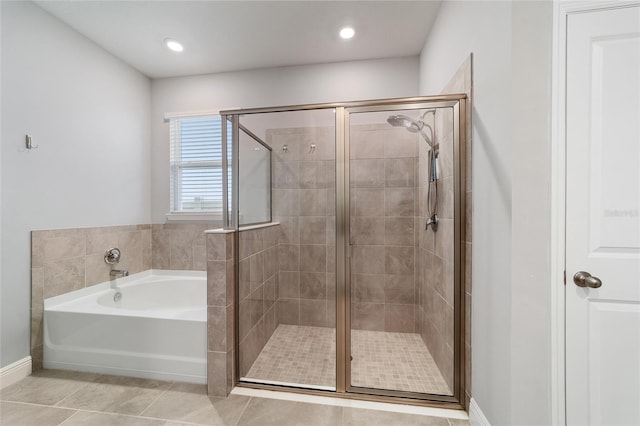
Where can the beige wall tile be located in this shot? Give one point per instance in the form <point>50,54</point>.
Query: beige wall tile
<point>217,247</point>
<point>97,270</point>
<point>37,249</point>
<point>313,285</point>
<point>286,202</point>
<point>399,172</point>
<point>399,143</point>
<point>313,258</point>
<point>399,318</point>
<point>217,374</point>
<point>288,311</point>
<point>367,202</point>
<point>399,260</point>
<point>313,312</point>
<point>368,288</point>
<point>64,247</point>
<point>313,229</point>
<point>217,328</point>
<point>399,289</point>
<point>216,283</point>
<point>398,231</point>
<point>399,202</point>
<point>289,257</point>
<point>366,316</point>
<point>367,144</point>
<point>367,173</point>
<point>161,248</point>
<point>313,202</point>
<point>63,276</point>
<point>289,284</point>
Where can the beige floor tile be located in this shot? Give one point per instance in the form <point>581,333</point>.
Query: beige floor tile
<point>90,418</point>
<point>266,412</point>
<point>190,403</point>
<point>122,395</point>
<point>46,387</point>
<point>18,414</point>
<point>361,417</point>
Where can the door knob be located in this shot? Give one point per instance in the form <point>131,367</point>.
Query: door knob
<point>585,279</point>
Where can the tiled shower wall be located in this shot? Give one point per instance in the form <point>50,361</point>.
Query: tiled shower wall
<point>65,260</point>
<point>383,205</point>
<point>303,194</point>
<point>258,253</point>
<point>435,266</point>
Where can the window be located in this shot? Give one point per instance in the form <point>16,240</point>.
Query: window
<point>196,164</point>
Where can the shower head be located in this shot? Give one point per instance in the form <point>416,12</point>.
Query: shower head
<point>404,121</point>
<point>414,126</point>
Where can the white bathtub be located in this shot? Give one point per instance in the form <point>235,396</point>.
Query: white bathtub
<point>157,330</point>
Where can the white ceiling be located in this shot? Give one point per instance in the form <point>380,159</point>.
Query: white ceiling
<point>223,36</point>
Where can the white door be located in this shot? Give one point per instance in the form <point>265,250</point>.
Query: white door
<point>603,217</point>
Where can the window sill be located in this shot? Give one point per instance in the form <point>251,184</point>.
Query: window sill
<point>194,217</point>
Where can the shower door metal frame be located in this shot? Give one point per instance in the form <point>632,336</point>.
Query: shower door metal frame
<point>343,296</point>
<point>459,141</point>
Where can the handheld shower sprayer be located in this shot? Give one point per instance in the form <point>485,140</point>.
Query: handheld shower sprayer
<point>417,126</point>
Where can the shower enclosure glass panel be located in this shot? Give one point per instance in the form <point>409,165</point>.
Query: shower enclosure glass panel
<point>254,157</point>
<point>400,235</point>
<point>287,280</point>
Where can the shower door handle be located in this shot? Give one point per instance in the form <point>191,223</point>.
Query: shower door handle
<point>585,279</point>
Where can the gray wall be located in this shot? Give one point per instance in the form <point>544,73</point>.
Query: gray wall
<point>89,113</point>
<point>511,45</point>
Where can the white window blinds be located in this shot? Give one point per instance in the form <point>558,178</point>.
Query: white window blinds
<point>196,164</point>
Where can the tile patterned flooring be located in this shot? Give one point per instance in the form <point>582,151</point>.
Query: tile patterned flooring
<point>51,398</point>
<point>305,356</point>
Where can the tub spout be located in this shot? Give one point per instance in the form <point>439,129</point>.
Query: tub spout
<point>115,273</point>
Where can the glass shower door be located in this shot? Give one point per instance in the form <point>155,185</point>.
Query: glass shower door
<point>400,274</point>
<point>287,290</point>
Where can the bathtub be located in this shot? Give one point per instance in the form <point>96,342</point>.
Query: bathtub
<point>153,326</point>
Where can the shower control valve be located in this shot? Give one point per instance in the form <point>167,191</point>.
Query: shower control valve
<point>112,256</point>
<point>433,222</point>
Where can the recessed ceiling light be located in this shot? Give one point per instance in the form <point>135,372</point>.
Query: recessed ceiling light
<point>347,33</point>
<point>174,45</point>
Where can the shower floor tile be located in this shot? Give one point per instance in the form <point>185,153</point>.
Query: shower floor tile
<point>297,355</point>
<point>305,356</point>
<point>394,361</point>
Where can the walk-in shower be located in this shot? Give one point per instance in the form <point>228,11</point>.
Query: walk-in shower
<point>341,288</point>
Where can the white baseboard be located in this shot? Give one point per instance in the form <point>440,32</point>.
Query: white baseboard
<point>476,416</point>
<point>15,372</point>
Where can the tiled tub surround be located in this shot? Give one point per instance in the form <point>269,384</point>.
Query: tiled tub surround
<point>303,194</point>
<point>64,260</point>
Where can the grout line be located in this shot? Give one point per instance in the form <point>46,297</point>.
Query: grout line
<point>57,404</point>
<point>243,410</point>
<point>70,417</point>
<point>156,399</point>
